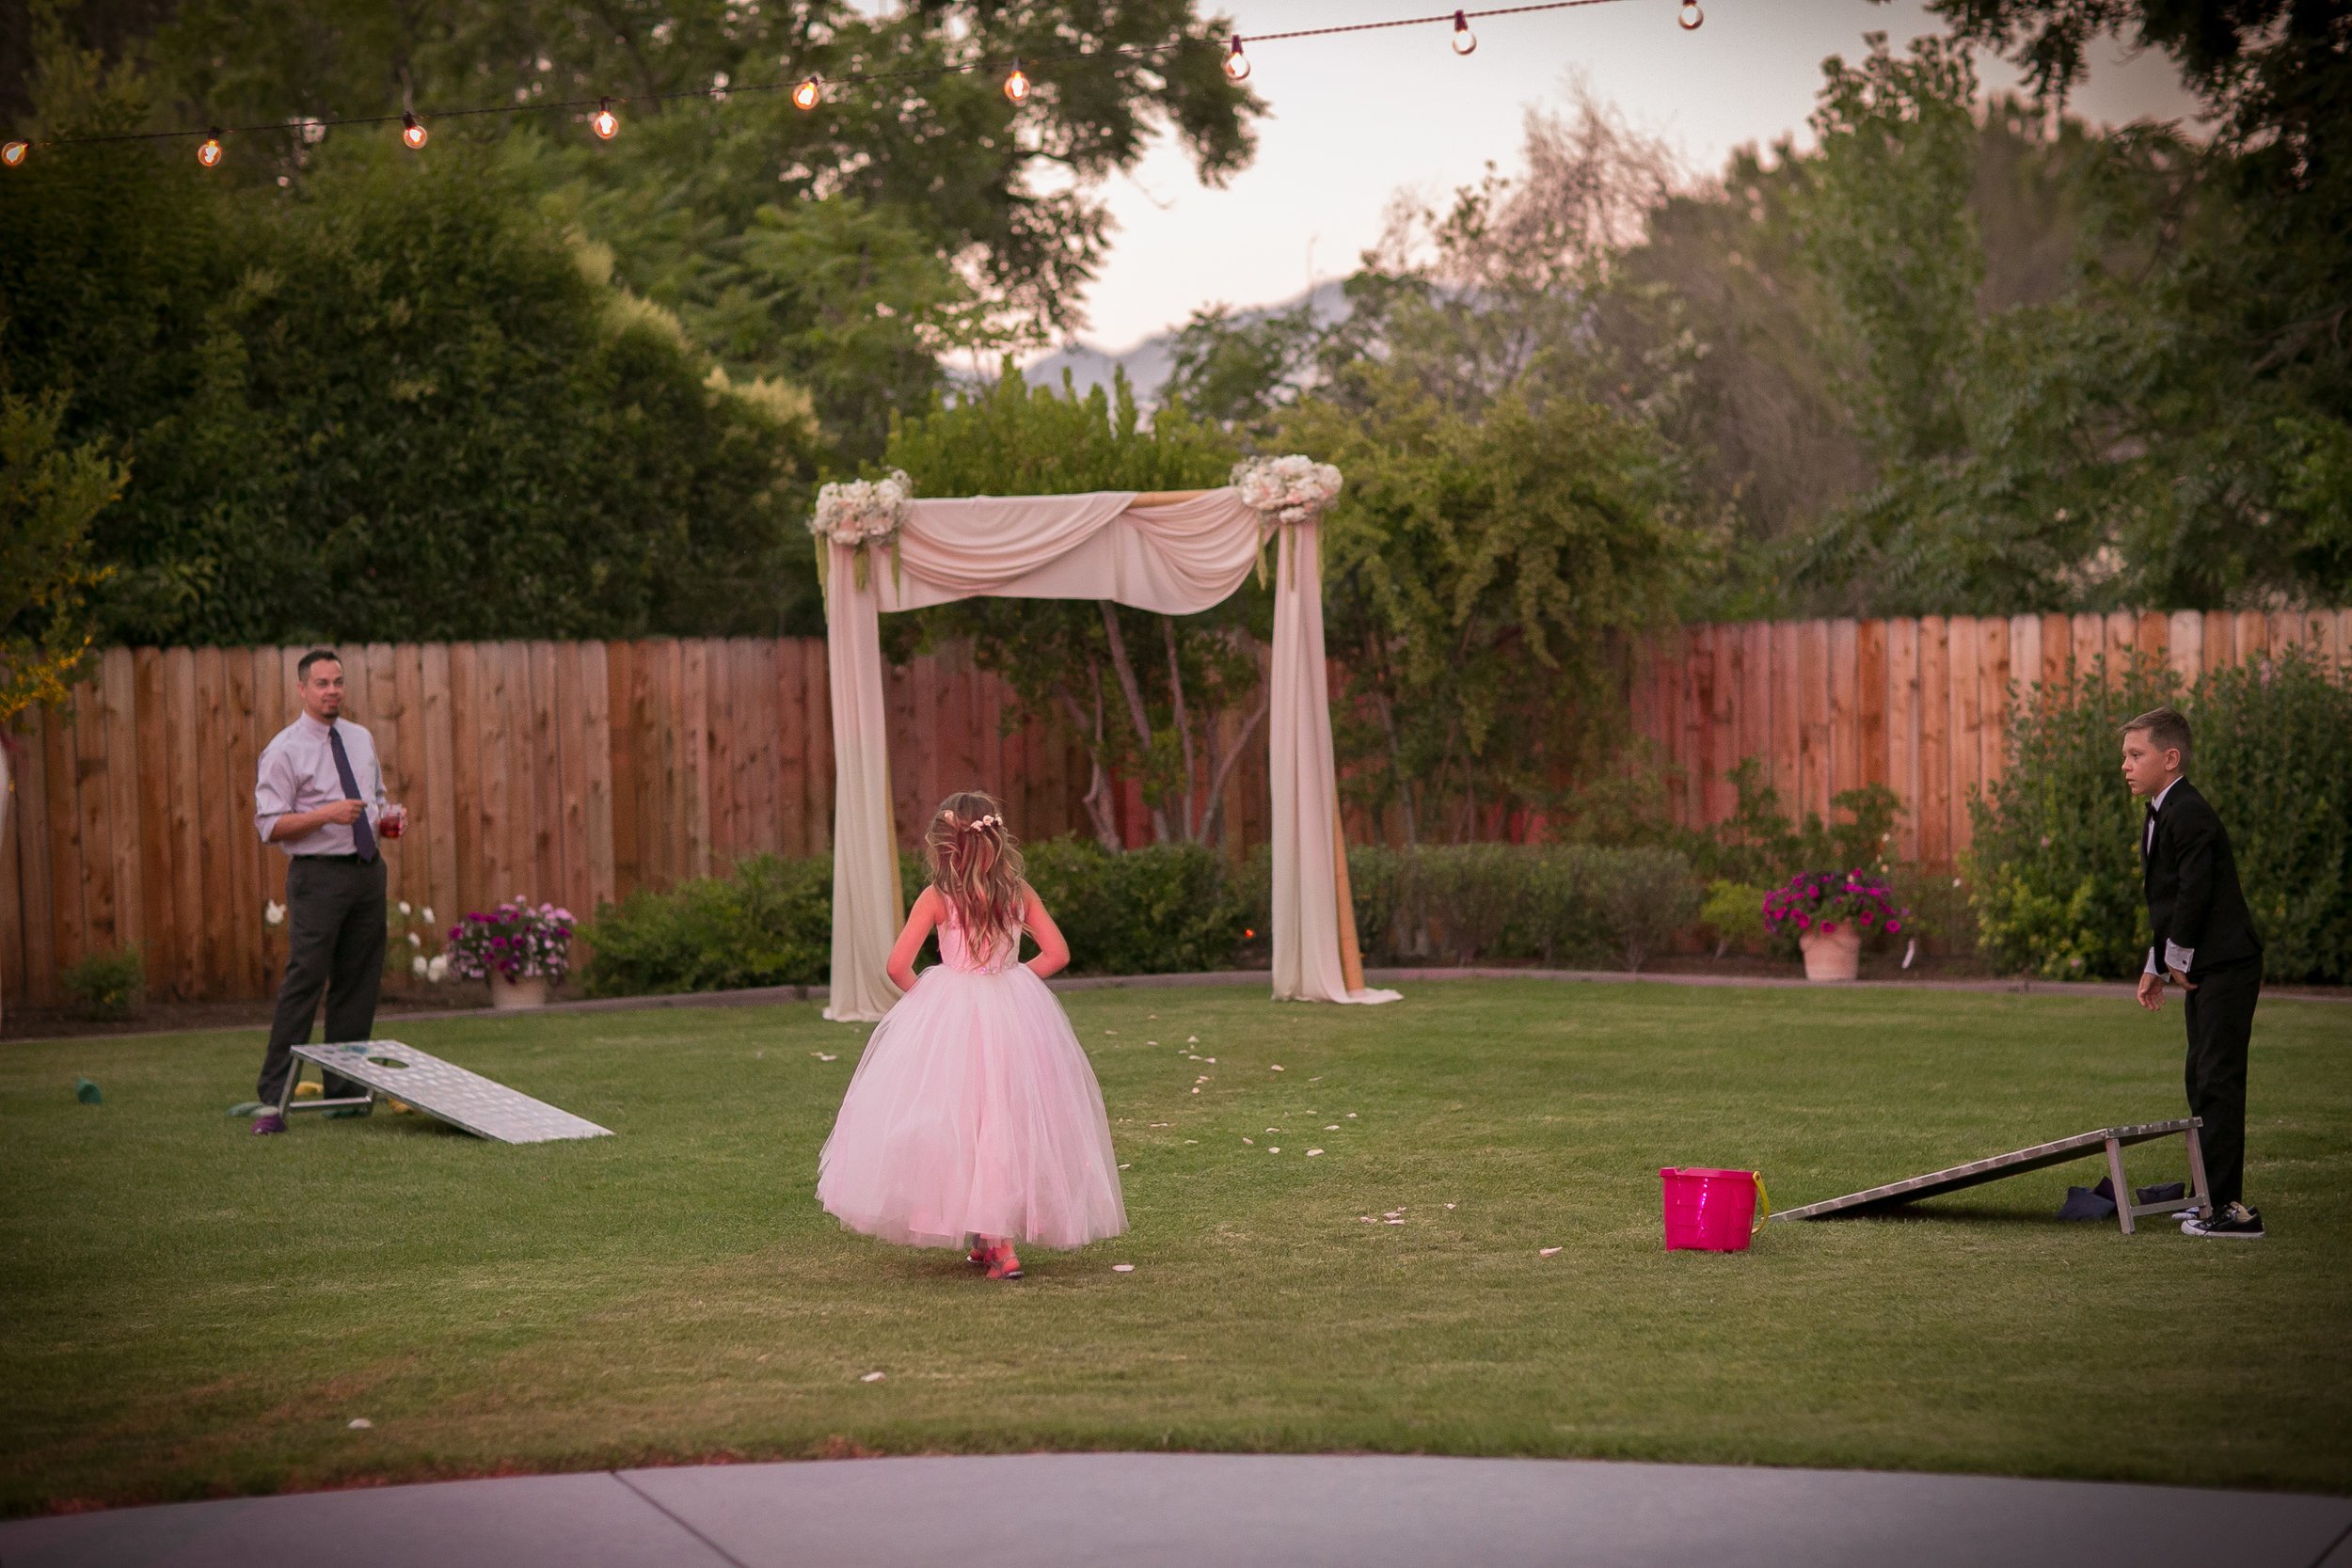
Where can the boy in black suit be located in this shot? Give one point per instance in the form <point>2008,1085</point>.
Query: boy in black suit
<point>2205,940</point>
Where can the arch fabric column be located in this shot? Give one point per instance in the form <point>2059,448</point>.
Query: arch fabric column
<point>1307,963</point>
<point>868,905</point>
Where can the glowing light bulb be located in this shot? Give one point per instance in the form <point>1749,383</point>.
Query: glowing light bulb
<point>604,122</point>
<point>1464,40</point>
<point>1691,16</point>
<point>806,94</point>
<point>13,153</point>
<point>412,133</point>
<point>1237,63</point>
<point>209,154</point>
<point>1017,83</point>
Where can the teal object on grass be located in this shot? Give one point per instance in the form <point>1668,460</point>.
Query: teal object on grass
<point>245,1108</point>
<point>86,1092</point>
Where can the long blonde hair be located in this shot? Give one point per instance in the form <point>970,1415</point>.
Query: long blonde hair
<point>976,863</point>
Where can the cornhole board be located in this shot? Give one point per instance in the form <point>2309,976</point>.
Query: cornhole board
<point>2113,1140</point>
<point>443,1090</point>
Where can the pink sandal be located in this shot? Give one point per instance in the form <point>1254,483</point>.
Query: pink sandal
<point>1003,1264</point>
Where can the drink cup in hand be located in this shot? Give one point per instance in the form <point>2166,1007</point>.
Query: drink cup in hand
<point>391,821</point>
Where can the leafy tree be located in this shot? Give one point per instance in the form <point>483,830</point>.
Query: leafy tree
<point>388,403</point>
<point>1171,700</point>
<point>1475,570</point>
<point>769,231</point>
<point>50,494</point>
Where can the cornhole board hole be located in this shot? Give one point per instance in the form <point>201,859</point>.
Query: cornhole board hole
<point>2113,1140</point>
<point>443,1090</point>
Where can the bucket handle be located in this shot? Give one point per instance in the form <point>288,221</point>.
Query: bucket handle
<point>1763,1204</point>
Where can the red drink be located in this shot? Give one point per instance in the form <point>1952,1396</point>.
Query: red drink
<point>391,821</point>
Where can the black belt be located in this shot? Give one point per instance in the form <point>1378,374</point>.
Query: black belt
<point>353,859</point>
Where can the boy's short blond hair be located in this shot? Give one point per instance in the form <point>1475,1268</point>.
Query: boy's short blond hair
<point>2166,731</point>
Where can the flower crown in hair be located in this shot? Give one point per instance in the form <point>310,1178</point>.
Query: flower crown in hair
<point>990,820</point>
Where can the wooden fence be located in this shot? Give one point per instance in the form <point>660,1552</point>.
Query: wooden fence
<point>571,771</point>
<point>577,772</point>
<point>1919,706</point>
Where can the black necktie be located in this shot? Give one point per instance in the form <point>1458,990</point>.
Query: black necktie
<point>363,837</point>
<point>2147,837</point>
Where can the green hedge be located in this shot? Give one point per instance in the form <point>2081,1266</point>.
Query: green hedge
<point>2054,866</point>
<point>769,923</point>
<point>1466,903</point>
<point>1168,908</point>
<point>1162,909</point>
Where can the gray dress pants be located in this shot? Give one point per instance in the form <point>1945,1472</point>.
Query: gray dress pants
<point>335,925</point>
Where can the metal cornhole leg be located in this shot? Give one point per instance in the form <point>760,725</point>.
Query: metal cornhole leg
<point>286,1105</point>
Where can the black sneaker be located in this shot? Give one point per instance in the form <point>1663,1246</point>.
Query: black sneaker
<point>2233,1219</point>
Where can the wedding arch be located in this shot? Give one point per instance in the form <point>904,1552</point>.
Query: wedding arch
<point>1174,552</point>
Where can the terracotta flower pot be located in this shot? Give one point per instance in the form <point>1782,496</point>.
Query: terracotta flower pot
<point>1832,955</point>
<point>531,991</point>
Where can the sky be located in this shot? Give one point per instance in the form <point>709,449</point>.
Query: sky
<point>1355,117</point>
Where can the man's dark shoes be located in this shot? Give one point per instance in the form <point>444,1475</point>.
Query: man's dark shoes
<point>273,1122</point>
<point>2232,1220</point>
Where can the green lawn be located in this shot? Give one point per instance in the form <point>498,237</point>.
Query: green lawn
<point>189,1310</point>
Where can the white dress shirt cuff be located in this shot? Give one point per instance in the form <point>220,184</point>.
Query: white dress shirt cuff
<point>2177,956</point>
<point>2151,968</point>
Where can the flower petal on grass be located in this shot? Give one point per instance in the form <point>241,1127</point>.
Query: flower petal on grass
<point>361,1423</point>
<point>1273,1149</point>
<point>1330,1127</point>
<point>1122,1268</point>
<point>1275,1067</point>
<point>871,1377</point>
<point>1547,1252</point>
<point>1312,1153</point>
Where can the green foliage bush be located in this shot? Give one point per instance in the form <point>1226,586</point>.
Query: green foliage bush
<point>1549,903</point>
<point>2054,866</point>
<point>2274,755</point>
<point>109,983</point>
<point>769,923</point>
<point>1734,911</point>
<point>1162,909</point>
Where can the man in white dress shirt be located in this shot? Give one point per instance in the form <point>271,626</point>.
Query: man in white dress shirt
<point>318,799</point>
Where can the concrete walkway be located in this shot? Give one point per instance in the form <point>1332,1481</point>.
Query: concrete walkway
<point>1211,1511</point>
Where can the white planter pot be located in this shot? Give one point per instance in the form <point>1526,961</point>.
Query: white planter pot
<point>529,991</point>
<point>1833,955</point>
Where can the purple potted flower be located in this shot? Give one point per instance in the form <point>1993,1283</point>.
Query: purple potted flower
<point>1832,912</point>
<point>519,948</point>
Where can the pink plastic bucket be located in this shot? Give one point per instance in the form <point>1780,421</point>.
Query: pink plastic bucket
<point>1712,1211</point>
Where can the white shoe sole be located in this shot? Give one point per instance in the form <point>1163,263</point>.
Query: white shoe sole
<point>2190,1227</point>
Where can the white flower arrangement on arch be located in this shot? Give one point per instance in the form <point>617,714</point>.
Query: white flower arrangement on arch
<point>862,512</point>
<point>1290,489</point>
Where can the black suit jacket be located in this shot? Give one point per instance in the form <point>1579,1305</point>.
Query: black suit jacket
<point>2191,882</point>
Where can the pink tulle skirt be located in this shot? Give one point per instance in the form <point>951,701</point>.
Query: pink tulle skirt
<point>974,1111</point>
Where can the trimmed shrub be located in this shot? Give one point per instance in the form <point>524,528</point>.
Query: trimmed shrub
<point>2274,756</point>
<point>1471,893</point>
<point>1647,896</point>
<point>769,923</point>
<point>1734,913</point>
<point>2055,867</point>
<point>110,983</point>
<point>1165,909</point>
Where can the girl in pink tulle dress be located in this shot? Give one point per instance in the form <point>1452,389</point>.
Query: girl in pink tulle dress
<point>973,1113</point>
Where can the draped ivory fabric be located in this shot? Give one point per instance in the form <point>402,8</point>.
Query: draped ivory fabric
<point>1176,559</point>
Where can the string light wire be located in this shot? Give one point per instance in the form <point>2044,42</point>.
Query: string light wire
<point>604,102</point>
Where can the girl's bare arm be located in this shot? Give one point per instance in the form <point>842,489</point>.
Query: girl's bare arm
<point>919,922</point>
<point>1053,952</point>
